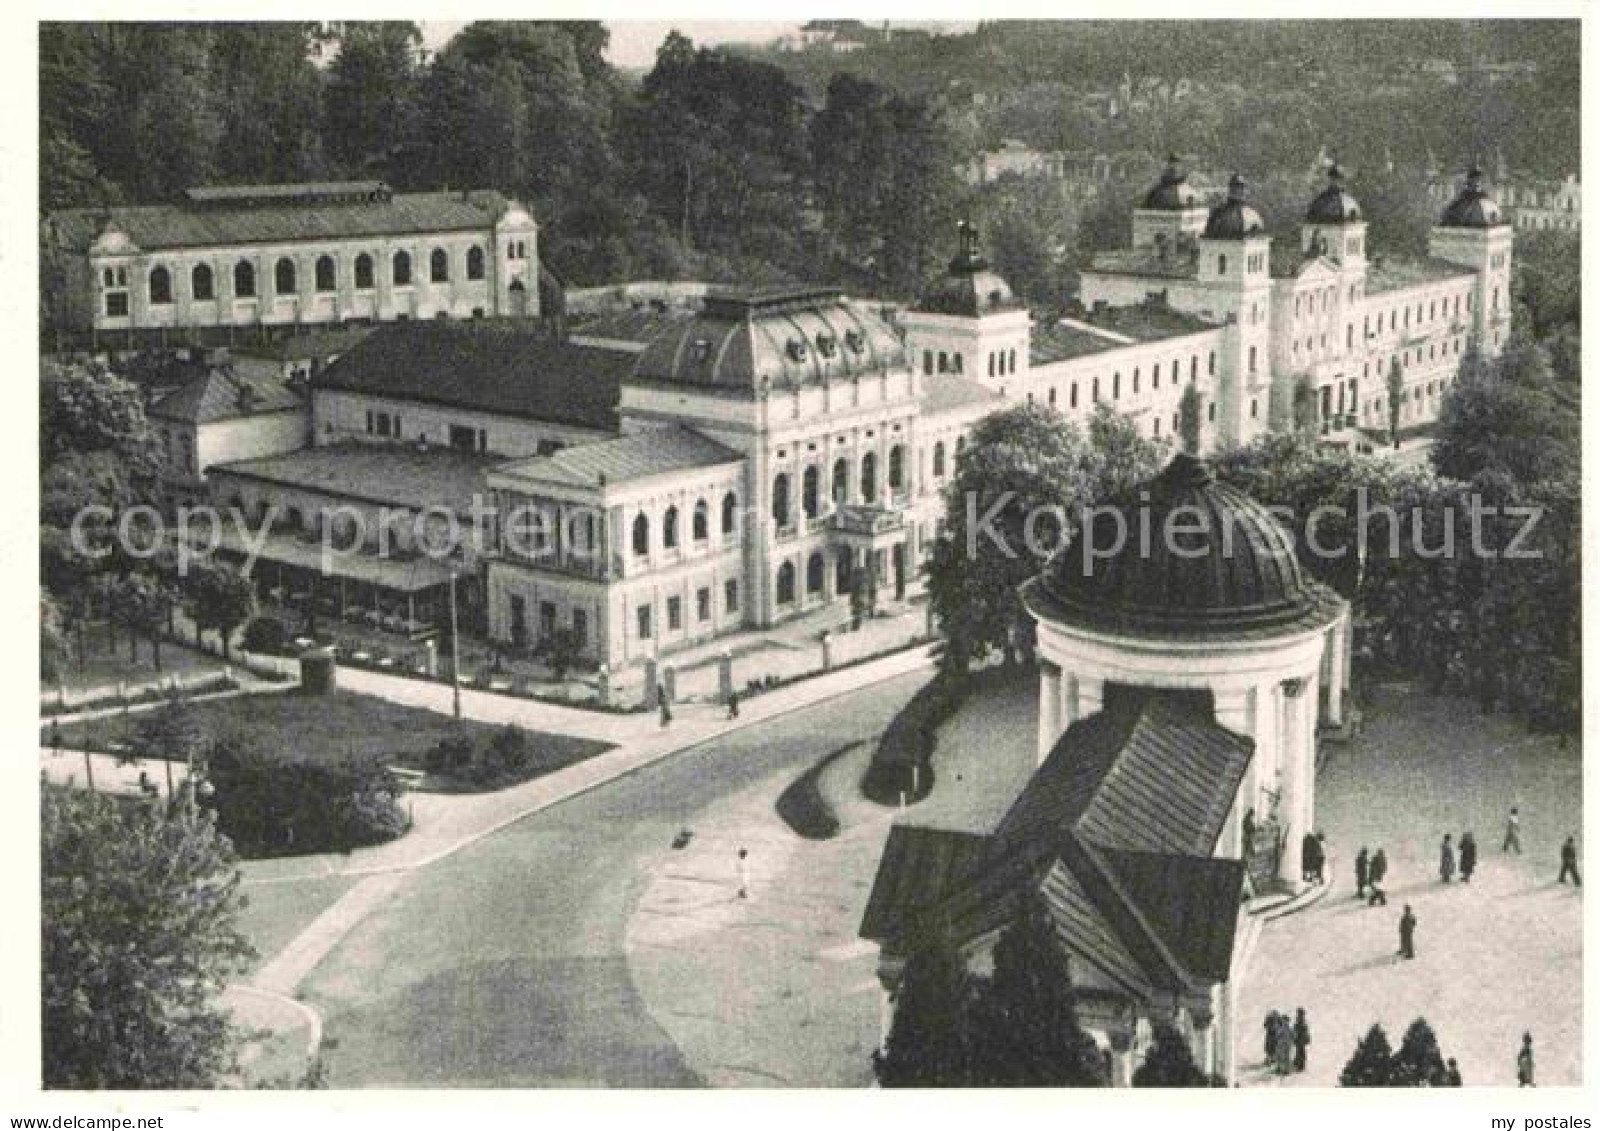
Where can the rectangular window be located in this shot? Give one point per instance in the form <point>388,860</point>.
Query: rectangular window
<point>730,596</point>
<point>117,304</point>
<point>580,626</point>
<point>702,602</point>
<point>644,622</point>
<point>674,614</point>
<point>463,438</point>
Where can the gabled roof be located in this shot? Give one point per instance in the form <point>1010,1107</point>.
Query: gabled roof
<point>944,392</point>
<point>658,451</point>
<point>490,367</point>
<point>1114,833</point>
<point>220,394</point>
<point>387,474</point>
<point>277,214</point>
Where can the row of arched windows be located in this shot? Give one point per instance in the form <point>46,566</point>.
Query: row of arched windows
<point>839,484</point>
<point>700,525</point>
<point>285,275</point>
<point>816,572</point>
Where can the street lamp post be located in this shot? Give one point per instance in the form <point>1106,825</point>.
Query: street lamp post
<point>455,650</point>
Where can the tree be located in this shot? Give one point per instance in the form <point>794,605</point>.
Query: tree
<point>1510,415</point>
<point>1397,397</point>
<point>927,1044</point>
<point>1020,481</point>
<point>139,905</point>
<point>143,605</point>
<point>1169,1063</point>
<point>1369,1066</point>
<point>1025,1030</point>
<point>86,408</point>
<point>371,95</point>
<point>171,733</point>
<point>223,600</point>
<point>55,647</point>
<point>1419,1062</point>
<point>1189,419</point>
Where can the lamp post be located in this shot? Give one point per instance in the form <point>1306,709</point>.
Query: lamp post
<point>455,650</point>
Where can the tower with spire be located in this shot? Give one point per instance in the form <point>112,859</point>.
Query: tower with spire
<point>1473,233</point>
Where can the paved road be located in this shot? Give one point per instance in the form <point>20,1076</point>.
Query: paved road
<point>502,965</point>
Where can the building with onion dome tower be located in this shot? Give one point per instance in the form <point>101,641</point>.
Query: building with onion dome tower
<point>1182,676</point>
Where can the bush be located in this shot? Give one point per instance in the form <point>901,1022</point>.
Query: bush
<point>265,634</point>
<point>290,806</point>
<point>909,741</point>
<point>449,757</point>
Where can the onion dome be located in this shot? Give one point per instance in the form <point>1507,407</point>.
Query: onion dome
<point>1333,205</point>
<point>1173,192</point>
<point>1472,207</point>
<point>1233,219</point>
<point>970,289</point>
<point>1187,558</point>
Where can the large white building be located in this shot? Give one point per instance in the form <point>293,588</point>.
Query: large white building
<point>757,458</point>
<point>291,255</point>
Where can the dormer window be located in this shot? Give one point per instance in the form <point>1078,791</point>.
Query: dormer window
<point>826,345</point>
<point>796,349</point>
<point>700,351</point>
<point>853,341</point>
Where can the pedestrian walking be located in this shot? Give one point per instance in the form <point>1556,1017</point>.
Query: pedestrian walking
<point>1362,872</point>
<point>733,703</point>
<point>1248,834</point>
<point>744,874</point>
<point>1308,857</point>
<point>666,707</point>
<point>1322,860</point>
<point>1408,933</point>
<point>1302,1039</point>
<point>1377,870</point>
<point>1569,862</point>
<point>1513,841</point>
<point>1525,1062</point>
<point>1447,860</point>
<point>1269,1037</point>
<point>1283,1046</point>
<point>1452,1074</point>
<point>1469,856</point>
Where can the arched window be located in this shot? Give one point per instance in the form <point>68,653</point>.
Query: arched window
<point>439,265</point>
<point>363,272</point>
<point>1222,264</point>
<point>786,583</point>
<point>957,362</point>
<point>702,522</point>
<point>669,529</point>
<point>814,571</point>
<point>202,287</point>
<point>938,459</point>
<point>991,363</point>
<point>641,535</point>
<point>897,468</point>
<point>841,481</point>
<point>809,492</point>
<point>327,274</point>
<point>927,362</point>
<point>402,268</point>
<point>869,477</point>
<point>474,262</point>
<point>160,286</point>
<point>1011,361</point>
<point>244,279</point>
<point>730,512</point>
<point>1252,359</point>
<point>841,572</point>
<point>283,282</point>
<point>780,499</point>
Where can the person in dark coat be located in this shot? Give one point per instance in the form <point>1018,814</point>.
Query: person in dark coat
<point>1376,871</point>
<point>1408,933</point>
<point>1269,1035</point>
<point>1302,1038</point>
<point>1283,1045</point>
<point>1321,869</point>
<point>1513,841</point>
<point>1525,1062</point>
<point>1452,1074</point>
<point>1308,857</point>
<point>1569,862</point>
<point>733,703</point>
<point>1247,834</point>
<point>1447,860</point>
<point>1469,857</point>
<point>1362,872</point>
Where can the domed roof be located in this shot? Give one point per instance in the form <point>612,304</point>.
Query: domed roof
<point>969,289</point>
<point>1233,219</point>
<point>1173,192</point>
<point>744,342</point>
<point>1333,205</point>
<point>1472,207</point>
<point>1189,558</point>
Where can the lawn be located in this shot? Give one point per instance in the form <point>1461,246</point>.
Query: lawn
<point>343,725</point>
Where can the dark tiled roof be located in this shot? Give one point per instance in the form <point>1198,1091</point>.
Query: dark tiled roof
<point>490,367</point>
<point>319,342</point>
<point>920,866</point>
<point>1180,896</point>
<point>1215,562</point>
<point>1391,273</point>
<point>154,227</point>
<point>1147,262</point>
<point>395,474</point>
<point>639,327</point>
<point>1473,207</point>
<point>945,392</point>
<point>221,395</point>
<point>658,451</point>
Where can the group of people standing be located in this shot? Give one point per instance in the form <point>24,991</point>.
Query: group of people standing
<point>1286,1041</point>
<point>1467,860</point>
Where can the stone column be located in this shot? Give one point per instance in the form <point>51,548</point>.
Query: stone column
<point>1294,772</point>
<point>725,676</point>
<point>1049,707</point>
